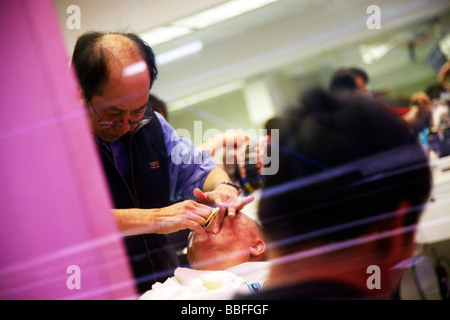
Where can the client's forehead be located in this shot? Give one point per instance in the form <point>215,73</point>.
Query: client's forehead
<point>239,219</point>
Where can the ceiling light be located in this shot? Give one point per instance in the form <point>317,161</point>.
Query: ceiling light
<point>179,52</point>
<point>370,54</point>
<point>206,95</point>
<point>206,18</point>
<point>163,34</point>
<point>220,13</point>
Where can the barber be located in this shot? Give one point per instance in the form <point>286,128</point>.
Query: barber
<point>153,195</point>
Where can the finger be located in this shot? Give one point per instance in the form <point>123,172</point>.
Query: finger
<point>245,201</point>
<point>241,204</point>
<point>231,204</point>
<point>231,211</point>
<point>208,198</point>
<point>196,211</point>
<point>194,207</point>
<point>197,219</point>
<point>205,212</point>
<point>233,208</point>
<point>197,228</point>
<point>216,224</point>
<point>200,195</point>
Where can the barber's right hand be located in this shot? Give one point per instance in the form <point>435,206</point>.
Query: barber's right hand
<point>187,214</point>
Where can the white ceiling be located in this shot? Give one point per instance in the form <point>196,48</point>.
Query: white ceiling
<point>300,39</point>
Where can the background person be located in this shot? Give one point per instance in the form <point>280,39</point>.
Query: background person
<point>231,143</point>
<point>158,105</point>
<point>242,157</point>
<point>357,80</point>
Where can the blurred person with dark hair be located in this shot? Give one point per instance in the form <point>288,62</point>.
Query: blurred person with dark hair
<point>154,192</point>
<point>438,131</point>
<point>158,105</point>
<point>351,79</point>
<point>357,80</point>
<point>346,201</point>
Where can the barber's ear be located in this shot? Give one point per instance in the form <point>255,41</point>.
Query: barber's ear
<point>258,248</point>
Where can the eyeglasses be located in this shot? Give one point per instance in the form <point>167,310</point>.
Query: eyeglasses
<point>109,124</point>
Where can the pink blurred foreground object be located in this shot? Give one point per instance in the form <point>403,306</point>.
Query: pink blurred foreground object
<point>58,236</point>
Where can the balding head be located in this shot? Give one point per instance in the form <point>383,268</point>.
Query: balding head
<point>240,240</point>
<point>115,72</point>
<point>96,52</point>
<point>118,48</point>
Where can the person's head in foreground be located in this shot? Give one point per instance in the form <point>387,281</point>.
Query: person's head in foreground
<point>240,240</point>
<point>345,204</point>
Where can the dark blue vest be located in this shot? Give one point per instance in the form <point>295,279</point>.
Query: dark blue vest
<point>152,257</point>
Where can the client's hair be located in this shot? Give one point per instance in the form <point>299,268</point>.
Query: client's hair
<point>333,184</point>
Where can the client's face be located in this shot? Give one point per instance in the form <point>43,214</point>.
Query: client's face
<point>231,246</point>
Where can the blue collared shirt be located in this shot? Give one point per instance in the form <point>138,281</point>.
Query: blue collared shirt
<point>188,166</point>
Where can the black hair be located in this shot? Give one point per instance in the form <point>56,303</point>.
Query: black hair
<point>344,79</point>
<point>434,91</point>
<point>90,61</point>
<point>158,105</point>
<point>360,73</point>
<point>320,136</point>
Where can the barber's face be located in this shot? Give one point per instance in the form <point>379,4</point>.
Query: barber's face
<point>231,246</point>
<point>123,98</point>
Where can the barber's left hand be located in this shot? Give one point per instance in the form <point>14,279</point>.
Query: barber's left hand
<point>226,199</point>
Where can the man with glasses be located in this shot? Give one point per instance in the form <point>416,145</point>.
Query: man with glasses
<point>149,189</point>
